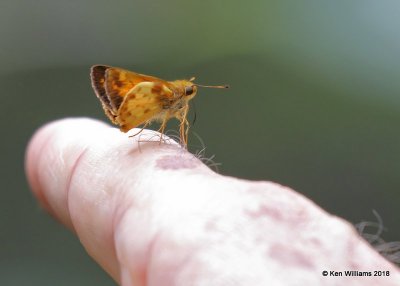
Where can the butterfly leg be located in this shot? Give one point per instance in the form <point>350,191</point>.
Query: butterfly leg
<point>162,127</point>
<point>144,126</point>
<point>184,126</point>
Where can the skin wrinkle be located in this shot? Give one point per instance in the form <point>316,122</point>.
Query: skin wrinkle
<point>149,255</point>
<point>144,268</point>
<point>141,274</point>
<point>117,220</point>
<point>118,216</point>
<point>121,211</point>
<point>69,182</point>
<point>170,272</point>
<point>74,173</point>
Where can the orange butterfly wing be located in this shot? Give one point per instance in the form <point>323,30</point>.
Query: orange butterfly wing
<point>141,104</point>
<point>129,99</point>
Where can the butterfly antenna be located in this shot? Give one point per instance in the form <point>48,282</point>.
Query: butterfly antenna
<point>212,86</point>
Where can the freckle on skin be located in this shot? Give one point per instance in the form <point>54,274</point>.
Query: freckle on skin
<point>289,256</point>
<point>211,225</point>
<point>264,210</point>
<point>174,162</point>
<point>279,213</point>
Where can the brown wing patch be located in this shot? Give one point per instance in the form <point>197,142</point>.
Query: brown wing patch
<point>141,104</point>
<point>97,76</point>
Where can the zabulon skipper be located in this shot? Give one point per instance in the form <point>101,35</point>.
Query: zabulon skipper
<point>130,99</point>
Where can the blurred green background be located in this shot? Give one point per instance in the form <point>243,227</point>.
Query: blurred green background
<point>314,102</point>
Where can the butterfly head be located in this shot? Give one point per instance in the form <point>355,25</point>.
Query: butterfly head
<point>186,89</point>
<point>189,88</point>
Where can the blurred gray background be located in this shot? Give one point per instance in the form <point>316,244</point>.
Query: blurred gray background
<point>314,102</point>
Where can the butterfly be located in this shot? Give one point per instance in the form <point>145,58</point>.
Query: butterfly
<point>131,99</point>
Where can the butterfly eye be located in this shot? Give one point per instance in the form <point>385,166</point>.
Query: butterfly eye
<point>189,90</point>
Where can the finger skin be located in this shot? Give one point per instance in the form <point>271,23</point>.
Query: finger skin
<point>153,214</point>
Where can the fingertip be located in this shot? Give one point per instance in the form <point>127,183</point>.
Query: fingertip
<point>33,151</point>
<point>50,154</point>
<point>83,173</point>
